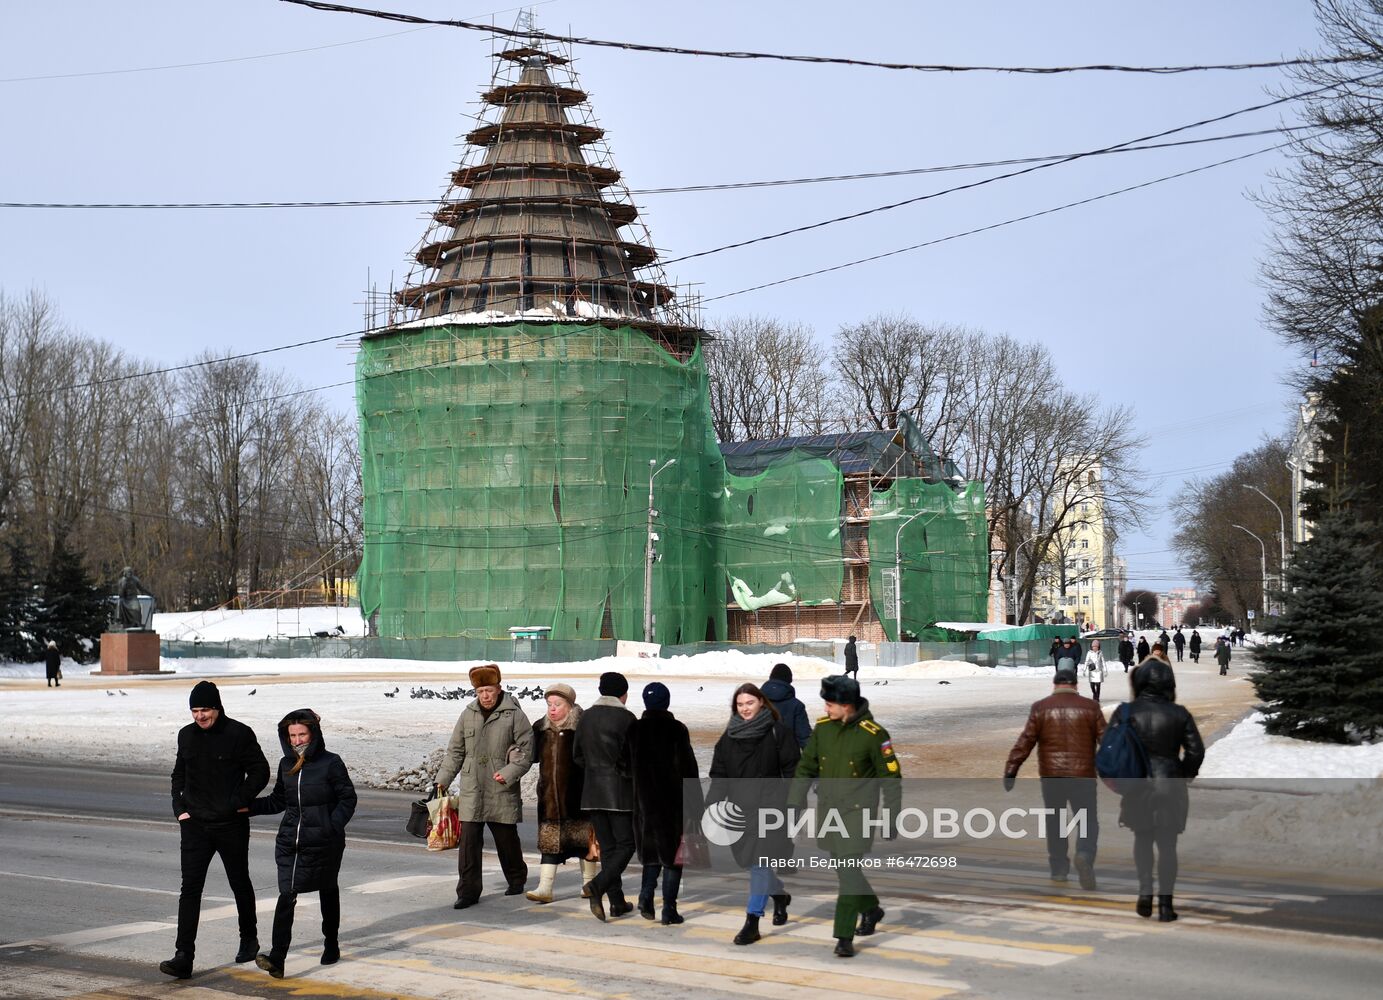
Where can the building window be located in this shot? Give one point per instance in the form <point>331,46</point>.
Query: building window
<point>1085,600</point>
<point>1085,543</point>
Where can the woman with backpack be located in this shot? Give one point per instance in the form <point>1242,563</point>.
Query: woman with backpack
<point>315,795</point>
<point>1155,808</point>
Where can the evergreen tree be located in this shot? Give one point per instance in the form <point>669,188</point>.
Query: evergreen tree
<point>1324,675</point>
<point>73,614</point>
<point>18,605</point>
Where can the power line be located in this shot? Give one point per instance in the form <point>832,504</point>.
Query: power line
<point>1015,173</point>
<point>207,62</point>
<point>239,59</point>
<point>534,35</point>
<point>992,226</point>
<point>178,368</point>
<point>687,189</point>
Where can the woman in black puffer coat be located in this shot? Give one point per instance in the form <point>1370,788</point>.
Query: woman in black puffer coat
<point>317,799</point>
<point>750,770</point>
<point>1157,808</point>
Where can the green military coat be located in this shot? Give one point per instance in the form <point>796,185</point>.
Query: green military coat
<point>852,762</point>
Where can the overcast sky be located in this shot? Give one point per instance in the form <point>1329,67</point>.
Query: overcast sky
<point>1150,299</point>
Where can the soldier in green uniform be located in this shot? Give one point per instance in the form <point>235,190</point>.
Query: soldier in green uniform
<point>851,758</point>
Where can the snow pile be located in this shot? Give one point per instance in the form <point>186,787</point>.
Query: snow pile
<point>1334,832</point>
<point>221,624</point>
<point>1249,752</point>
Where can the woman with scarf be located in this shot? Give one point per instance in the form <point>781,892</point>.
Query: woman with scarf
<point>754,760</point>
<point>315,795</point>
<point>564,832</point>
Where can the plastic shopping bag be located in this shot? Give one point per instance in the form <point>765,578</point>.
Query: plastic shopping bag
<point>446,826</point>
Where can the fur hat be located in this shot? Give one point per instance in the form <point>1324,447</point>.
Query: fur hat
<point>613,685</point>
<point>205,695</point>
<point>840,689</point>
<point>1064,676</point>
<point>781,672</point>
<point>562,691</point>
<point>656,695</point>
<point>485,675</point>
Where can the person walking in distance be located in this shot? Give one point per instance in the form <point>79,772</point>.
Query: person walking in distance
<point>315,794</point>
<point>1095,668</point>
<point>1179,641</point>
<point>783,697</point>
<point>491,748</point>
<point>1195,646</point>
<point>851,759</point>
<point>666,787</point>
<point>1156,808</point>
<point>1125,651</point>
<point>564,831</point>
<point>607,793</point>
<point>749,767</point>
<point>1143,648</point>
<point>52,664</point>
<point>852,658</point>
<point>1223,655</point>
<point>217,774</point>
<point>1066,729</point>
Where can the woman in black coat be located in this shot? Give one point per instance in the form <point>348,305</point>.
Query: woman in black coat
<point>1156,809</point>
<point>750,768</point>
<point>666,789</point>
<point>52,664</point>
<point>317,799</point>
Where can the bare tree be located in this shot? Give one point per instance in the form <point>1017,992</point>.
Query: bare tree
<point>767,380</point>
<point>326,494</point>
<point>1220,556</point>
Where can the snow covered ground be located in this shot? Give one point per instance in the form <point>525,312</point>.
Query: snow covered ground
<point>369,716</point>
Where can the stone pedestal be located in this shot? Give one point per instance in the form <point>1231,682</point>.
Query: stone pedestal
<point>126,653</point>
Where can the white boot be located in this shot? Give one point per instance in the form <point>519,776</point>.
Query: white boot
<point>589,870</point>
<point>543,894</point>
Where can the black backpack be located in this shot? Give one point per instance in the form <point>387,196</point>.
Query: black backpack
<point>1121,760</point>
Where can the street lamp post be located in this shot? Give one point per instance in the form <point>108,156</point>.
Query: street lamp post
<point>1016,550</point>
<point>648,551</point>
<point>898,572</point>
<point>1263,561</point>
<point>1281,537</point>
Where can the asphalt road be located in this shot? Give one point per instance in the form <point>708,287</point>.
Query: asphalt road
<point>89,878</point>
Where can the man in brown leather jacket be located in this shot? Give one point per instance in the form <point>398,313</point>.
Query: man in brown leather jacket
<point>1066,729</point>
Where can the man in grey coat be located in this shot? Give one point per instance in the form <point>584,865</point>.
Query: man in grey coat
<point>601,749</point>
<point>491,748</point>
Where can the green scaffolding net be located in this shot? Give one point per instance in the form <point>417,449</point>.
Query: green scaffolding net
<point>506,473</point>
<point>781,533</point>
<point>944,561</point>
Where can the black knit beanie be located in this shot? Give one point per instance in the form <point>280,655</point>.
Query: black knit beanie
<point>205,695</point>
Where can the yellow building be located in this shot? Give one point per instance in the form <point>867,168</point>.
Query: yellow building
<point>1079,581</point>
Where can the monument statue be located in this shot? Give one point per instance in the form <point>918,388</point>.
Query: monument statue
<point>129,613</point>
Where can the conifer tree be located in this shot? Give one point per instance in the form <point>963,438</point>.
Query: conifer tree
<point>1323,678</point>
<point>18,604</point>
<point>73,614</point>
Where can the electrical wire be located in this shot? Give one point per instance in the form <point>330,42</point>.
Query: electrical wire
<point>993,226</point>
<point>534,35</point>
<point>1019,173</point>
<point>688,189</point>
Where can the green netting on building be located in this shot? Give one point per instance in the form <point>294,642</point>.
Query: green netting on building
<point>505,473</point>
<point>945,557</point>
<point>781,533</point>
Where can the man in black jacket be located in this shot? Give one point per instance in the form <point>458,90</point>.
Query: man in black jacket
<point>601,749</point>
<point>219,771</point>
<point>1126,651</point>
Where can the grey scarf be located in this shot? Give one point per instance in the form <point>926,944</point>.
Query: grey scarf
<point>740,728</point>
